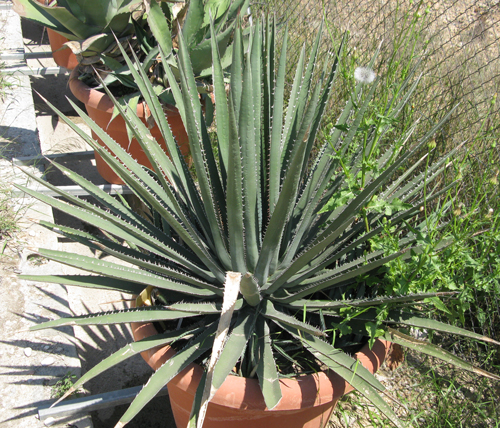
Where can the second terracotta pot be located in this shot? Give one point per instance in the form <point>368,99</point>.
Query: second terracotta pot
<point>308,401</point>
<point>63,57</point>
<point>100,109</point>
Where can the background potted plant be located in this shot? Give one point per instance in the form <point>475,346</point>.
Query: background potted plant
<point>82,31</point>
<point>94,30</point>
<point>157,52</point>
<point>242,249</point>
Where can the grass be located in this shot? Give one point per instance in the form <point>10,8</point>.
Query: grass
<point>431,395</point>
<point>8,214</point>
<point>8,222</point>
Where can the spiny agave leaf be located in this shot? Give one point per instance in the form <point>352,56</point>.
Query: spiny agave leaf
<point>203,158</point>
<point>194,416</point>
<point>269,311</point>
<point>195,348</point>
<point>350,271</point>
<point>234,347</point>
<point>89,281</point>
<point>249,133</point>
<point>313,305</point>
<point>222,117</point>
<point>337,360</point>
<point>304,112</point>
<point>125,316</point>
<point>276,103</point>
<point>335,229</point>
<point>155,267</point>
<point>266,367</point>
<point>129,351</point>
<point>159,25</point>
<point>325,96</point>
<point>109,201</point>
<point>146,188</point>
<point>341,266</point>
<point>178,173</point>
<point>279,218</point>
<point>352,239</point>
<point>409,319</point>
<point>305,86</point>
<point>139,186</point>
<point>355,374</point>
<point>113,270</point>
<point>130,255</point>
<point>236,71</point>
<point>235,227</point>
<point>176,253</point>
<point>193,21</point>
<point>434,351</point>
<point>291,112</point>
<point>203,307</point>
<point>424,178</point>
<point>119,228</point>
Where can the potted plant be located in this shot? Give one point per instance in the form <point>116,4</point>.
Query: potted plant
<point>82,31</point>
<point>157,47</point>
<point>251,284</point>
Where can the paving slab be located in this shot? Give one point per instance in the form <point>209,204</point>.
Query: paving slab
<point>31,363</point>
<point>38,301</point>
<point>16,138</point>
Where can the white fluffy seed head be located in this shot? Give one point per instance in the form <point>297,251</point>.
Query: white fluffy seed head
<point>364,75</point>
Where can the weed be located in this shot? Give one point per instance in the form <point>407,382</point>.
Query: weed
<point>430,395</point>
<point>8,219</point>
<point>36,260</point>
<point>63,385</point>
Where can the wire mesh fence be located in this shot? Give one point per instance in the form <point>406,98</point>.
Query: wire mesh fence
<point>457,40</point>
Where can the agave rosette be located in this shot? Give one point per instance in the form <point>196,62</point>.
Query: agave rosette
<point>90,26</point>
<point>252,204</point>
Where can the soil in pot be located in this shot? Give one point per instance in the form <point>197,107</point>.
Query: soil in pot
<point>100,109</point>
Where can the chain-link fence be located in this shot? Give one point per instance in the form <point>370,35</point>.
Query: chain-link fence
<point>458,40</point>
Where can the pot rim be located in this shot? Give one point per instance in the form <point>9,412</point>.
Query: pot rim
<point>298,392</point>
<point>100,100</point>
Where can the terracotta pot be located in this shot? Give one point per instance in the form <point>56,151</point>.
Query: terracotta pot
<point>64,57</point>
<point>100,109</point>
<point>308,401</point>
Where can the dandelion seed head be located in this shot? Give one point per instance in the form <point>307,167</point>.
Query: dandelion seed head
<point>364,75</point>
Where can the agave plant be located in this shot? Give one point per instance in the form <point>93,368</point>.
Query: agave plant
<point>241,240</point>
<point>166,21</point>
<point>90,27</point>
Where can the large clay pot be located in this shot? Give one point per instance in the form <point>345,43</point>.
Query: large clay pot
<point>63,57</point>
<point>100,109</point>
<point>308,401</point>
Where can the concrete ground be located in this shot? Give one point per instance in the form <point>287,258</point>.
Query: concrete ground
<point>31,363</point>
